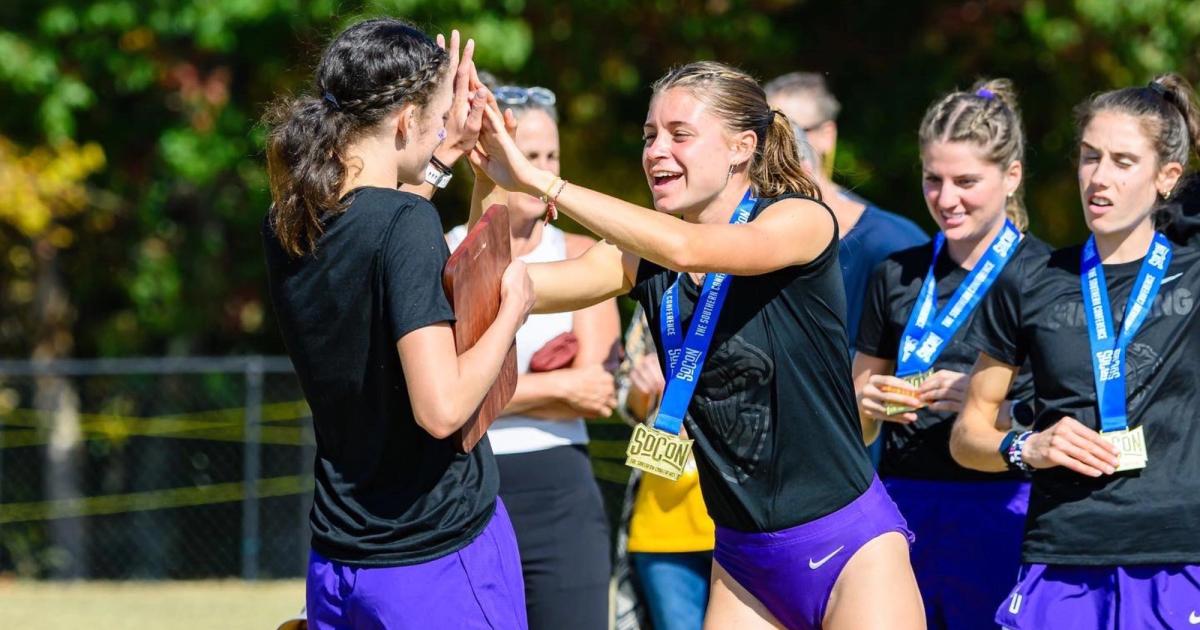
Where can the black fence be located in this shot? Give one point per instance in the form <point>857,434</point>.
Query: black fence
<point>184,468</point>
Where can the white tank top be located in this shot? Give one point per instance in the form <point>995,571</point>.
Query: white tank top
<point>523,434</point>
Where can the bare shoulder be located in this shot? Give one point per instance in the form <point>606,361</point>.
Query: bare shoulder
<point>808,214</point>
<point>577,244</point>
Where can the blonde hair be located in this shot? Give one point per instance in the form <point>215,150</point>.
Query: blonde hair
<point>738,100</point>
<point>988,118</point>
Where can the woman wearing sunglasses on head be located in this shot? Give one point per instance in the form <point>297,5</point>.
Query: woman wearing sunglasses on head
<point>805,536</point>
<point>1111,332</point>
<point>540,441</point>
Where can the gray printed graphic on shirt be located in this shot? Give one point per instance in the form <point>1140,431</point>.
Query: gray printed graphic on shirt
<point>736,373</point>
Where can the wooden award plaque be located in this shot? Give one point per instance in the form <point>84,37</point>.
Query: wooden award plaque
<point>472,283</point>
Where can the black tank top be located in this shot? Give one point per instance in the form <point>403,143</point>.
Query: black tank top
<point>778,442</point>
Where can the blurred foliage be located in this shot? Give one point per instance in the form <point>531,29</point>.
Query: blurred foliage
<point>130,143</point>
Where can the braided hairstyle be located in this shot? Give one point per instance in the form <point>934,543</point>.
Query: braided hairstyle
<point>987,117</point>
<point>737,99</point>
<point>365,74</point>
<point>1169,116</point>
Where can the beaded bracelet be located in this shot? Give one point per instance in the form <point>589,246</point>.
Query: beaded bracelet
<point>549,198</point>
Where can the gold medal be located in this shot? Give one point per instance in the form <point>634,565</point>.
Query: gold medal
<point>914,381</point>
<point>1131,448</point>
<point>657,452</point>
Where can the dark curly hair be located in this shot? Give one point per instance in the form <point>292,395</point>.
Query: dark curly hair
<point>365,73</point>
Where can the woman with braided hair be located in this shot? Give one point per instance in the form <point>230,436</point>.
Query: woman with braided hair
<point>912,361</point>
<point>806,537</point>
<point>1111,332</point>
<point>407,532</point>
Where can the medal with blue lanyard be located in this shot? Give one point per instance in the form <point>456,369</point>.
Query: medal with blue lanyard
<point>927,333</point>
<point>660,450</point>
<point>1108,345</point>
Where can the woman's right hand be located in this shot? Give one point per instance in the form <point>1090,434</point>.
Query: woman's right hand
<point>516,289</point>
<point>497,154</point>
<point>874,399</point>
<point>590,390</point>
<point>1069,444</point>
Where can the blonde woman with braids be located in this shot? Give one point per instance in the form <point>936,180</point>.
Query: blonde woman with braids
<point>1111,332</point>
<point>806,536</point>
<point>919,308</point>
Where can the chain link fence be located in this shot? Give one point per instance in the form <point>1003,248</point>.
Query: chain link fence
<point>186,468</point>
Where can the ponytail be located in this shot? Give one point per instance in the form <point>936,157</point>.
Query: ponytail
<point>777,169</point>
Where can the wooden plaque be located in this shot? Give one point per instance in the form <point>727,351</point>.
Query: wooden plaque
<point>472,283</point>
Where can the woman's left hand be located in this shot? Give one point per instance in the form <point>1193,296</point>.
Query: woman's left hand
<point>945,390</point>
<point>470,99</point>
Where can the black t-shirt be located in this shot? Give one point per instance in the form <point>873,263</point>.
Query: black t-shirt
<point>921,450</point>
<point>1148,516</point>
<point>387,492</point>
<point>773,415</point>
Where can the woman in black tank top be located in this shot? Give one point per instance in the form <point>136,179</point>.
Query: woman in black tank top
<point>773,415</point>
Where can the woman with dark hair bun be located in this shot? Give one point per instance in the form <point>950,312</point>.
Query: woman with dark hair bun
<point>1111,332</point>
<point>407,532</point>
<point>746,275</point>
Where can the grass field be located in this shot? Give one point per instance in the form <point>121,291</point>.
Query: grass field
<point>232,605</point>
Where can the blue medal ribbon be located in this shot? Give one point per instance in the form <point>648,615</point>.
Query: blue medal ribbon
<point>1108,345</point>
<point>685,357</point>
<point>926,333</point>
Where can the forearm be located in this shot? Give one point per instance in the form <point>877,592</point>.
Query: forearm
<point>577,283</point>
<point>975,440</point>
<point>484,193</point>
<point>478,369</point>
<point>535,390</point>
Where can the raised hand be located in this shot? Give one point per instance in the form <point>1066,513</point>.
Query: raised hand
<point>470,99</point>
<point>497,155</point>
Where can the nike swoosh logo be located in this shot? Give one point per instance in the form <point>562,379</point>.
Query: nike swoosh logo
<point>1193,618</point>
<point>819,563</point>
<point>1166,280</point>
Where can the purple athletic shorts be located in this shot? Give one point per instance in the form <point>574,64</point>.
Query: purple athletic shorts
<point>793,571</point>
<point>968,548</point>
<point>1130,597</point>
<point>478,586</point>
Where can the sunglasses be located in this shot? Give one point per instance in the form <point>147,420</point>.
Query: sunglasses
<point>517,95</point>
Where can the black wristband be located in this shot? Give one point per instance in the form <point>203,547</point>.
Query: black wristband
<point>1006,443</point>
<point>439,165</point>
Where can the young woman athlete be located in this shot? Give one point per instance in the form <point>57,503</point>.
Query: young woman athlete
<point>806,536</point>
<point>920,304</point>
<point>1111,332</point>
<point>406,531</point>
